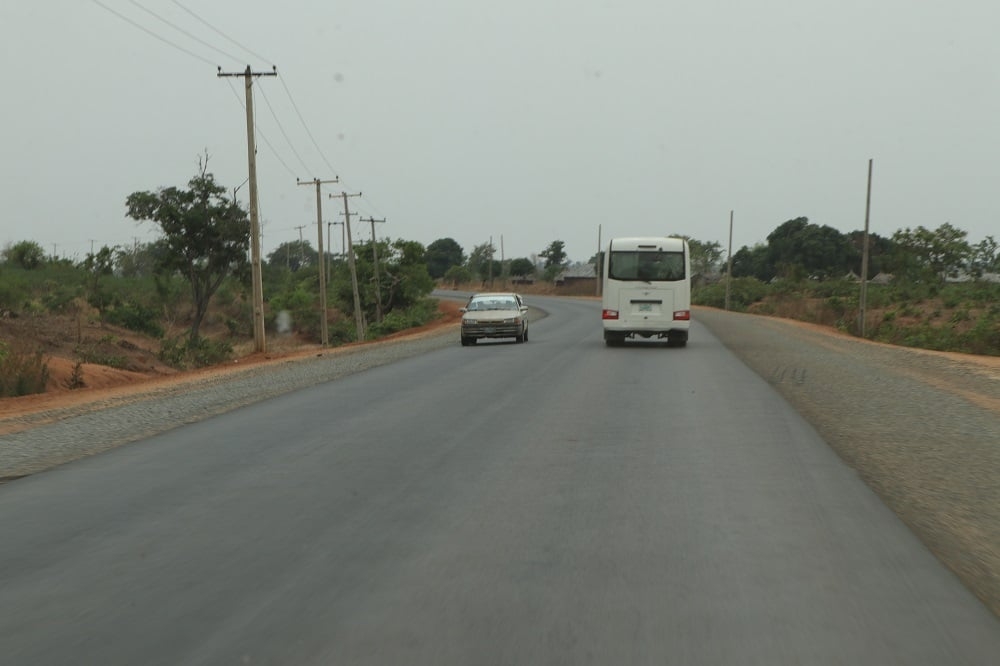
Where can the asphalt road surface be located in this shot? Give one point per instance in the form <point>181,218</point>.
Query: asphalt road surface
<point>554,502</point>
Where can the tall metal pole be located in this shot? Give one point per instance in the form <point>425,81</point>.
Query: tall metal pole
<point>358,320</point>
<point>729,261</point>
<point>260,345</point>
<point>863,299</point>
<point>323,329</point>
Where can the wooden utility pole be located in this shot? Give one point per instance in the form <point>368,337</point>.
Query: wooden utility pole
<point>378,285</point>
<point>863,298</point>
<point>729,260</point>
<point>358,320</point>
<point>259,342</point>
<point>324,334</point>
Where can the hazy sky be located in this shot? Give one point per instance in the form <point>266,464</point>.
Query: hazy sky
<point>534,120</point>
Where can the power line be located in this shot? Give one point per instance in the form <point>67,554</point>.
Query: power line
<point>304,125</point>
<point>262,135</point>
<point>220,33</point>
<point>183,31</point>
<point>281,128</point>
<point>152,34</point>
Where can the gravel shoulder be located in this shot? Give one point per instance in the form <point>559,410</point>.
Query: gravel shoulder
<point>921,428</point>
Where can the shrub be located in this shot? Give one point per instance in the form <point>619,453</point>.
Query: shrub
<point>21,373</point>
<point>743,292</point>
<point>184,353</point>
<point>135,317</point>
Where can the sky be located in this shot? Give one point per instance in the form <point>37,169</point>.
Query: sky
<point>526,120</point>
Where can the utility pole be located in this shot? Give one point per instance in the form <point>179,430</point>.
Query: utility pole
<point>729,260</point>
<point>324,334</point>
<point>258,288</point>
<point>358,321</point>
<point>378,286</point>
<point>489,260</point>
<point>302,252</point>
<point>503,268</point>
<point>863,300</point>
<point>599,268</point>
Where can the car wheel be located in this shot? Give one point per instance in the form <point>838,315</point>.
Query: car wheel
<point>519,338</point>
<point>525,333</point>
<point>468,341</point>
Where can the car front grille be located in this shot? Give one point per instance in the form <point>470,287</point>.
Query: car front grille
<point>491,330</point>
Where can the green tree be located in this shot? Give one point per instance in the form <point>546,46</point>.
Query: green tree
<point>554,254</point>
<point>985,257</point>
<point>753,262</point>
<point>924,254</point>
<point>206,234</point>
<point>441,255</point>
<point>521,266</point>
<point>798,249</point>
<point>480,259</point>
<point>706,256</point>
<point>26,254</point>
<point>99,265</point>
<point>293,255</point>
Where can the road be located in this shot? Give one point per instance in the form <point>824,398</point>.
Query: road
<point>554,502</point>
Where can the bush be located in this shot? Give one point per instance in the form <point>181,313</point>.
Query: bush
<point>743,292</point>
<point>21,373</point>
<point>135,317</point>
<point>183,353</point>
<point>417,315</point>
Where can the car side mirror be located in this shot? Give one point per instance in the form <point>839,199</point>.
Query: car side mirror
<point>524,308</point>
<point>463,310</point>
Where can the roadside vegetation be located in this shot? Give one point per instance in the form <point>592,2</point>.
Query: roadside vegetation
<point>930,288</point>
<point>189,291</point>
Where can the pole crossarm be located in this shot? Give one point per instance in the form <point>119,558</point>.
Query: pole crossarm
<point>248,75</point>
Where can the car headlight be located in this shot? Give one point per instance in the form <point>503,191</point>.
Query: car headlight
<point>468,322</point>
<point>512,320</point>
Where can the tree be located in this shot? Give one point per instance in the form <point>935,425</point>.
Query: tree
<point>97,266</point>
<point>554,254</point>
<point>206,235</point>
<point>799,249</point>
<point>985,257</point>
<point>753,262</point>
<point>293,255</point>
<point>521,266</point>
<point>480,259</point>
<point>26,254</point>
<point>441,255</point>
<point>922,253</point>
<point>705,256</point>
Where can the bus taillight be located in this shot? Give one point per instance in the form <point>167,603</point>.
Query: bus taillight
<point>609,314</point>
<point>682,315</point>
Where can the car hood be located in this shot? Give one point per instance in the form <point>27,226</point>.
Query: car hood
<point>490,315</point>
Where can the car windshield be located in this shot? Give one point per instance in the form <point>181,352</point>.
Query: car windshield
<point>492,304</point>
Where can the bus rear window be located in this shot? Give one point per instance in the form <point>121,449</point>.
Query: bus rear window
<point>646,266</point>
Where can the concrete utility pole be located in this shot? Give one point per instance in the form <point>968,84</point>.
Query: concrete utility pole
<point>302,250</point>
<point>324,334</point>
<point>358,320</point>
<point>378,285</point>
<point>599,268</point>
<point>863,299</point>
<point>258,288</point>
<point>729,260</point>
<point>489,260</point>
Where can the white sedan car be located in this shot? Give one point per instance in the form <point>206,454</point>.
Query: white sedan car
<point>494,315</point>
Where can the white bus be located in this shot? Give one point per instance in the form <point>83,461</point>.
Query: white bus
<point>647,290</point>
